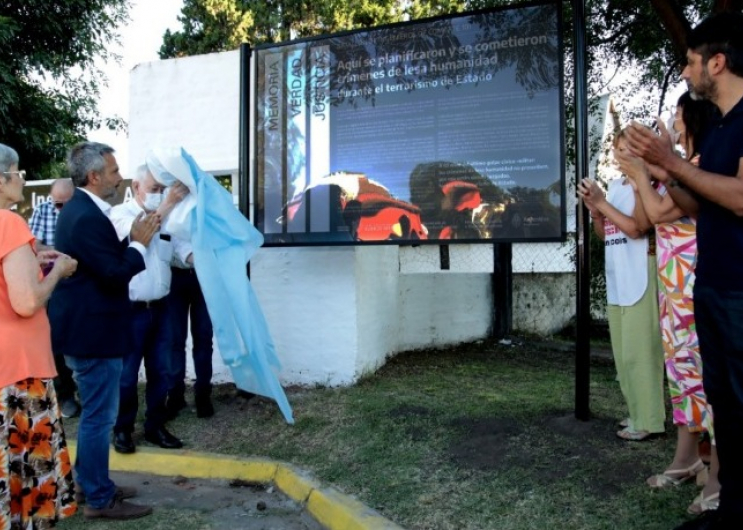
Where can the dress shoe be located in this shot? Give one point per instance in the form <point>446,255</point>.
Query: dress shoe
<point>69,408</point>
<point>117,508</point>
<point>709,520</point>
<point>163,438</point>
<point>125,492</point>
<point>173,407</point>
<point>204,407</point>
<point>123,443</point>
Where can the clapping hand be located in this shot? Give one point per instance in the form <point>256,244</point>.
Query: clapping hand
<point>655,149</point>
<point>591,193</point>
<point>631,166</point>
<point>144,227</point>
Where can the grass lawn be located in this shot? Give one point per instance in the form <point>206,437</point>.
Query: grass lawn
<point>481,436</point>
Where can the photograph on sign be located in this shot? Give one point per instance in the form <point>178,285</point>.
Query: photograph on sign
<point>432,131</point>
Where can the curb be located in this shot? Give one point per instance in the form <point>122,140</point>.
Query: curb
<point>329,507</point>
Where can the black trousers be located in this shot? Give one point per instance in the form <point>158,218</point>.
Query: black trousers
<point>719,320</point>
<point>186,300</point>
<point>64,384</point>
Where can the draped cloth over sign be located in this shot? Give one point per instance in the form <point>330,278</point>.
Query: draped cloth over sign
<point>223,242</point>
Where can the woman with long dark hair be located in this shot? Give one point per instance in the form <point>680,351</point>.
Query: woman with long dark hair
<point>673,212</point>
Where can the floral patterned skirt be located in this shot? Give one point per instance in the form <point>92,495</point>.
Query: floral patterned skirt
<point>36,485</point>
<point>677,257</point>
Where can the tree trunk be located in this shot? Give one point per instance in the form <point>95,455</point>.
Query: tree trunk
<point>727,5</point>
<point>673,19</point>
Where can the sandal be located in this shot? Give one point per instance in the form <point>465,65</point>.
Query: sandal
<point>632,435</point>
<point>624,423</point>
<point>676,477</point>
<point>703,504</point>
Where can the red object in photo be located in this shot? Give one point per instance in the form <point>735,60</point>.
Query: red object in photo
<point>378,218</point>
<point>367,208</point>
<point>460,195</point>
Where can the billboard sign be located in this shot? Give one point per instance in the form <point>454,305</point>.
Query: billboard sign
<point>430,131</point>
<point>36,192</point>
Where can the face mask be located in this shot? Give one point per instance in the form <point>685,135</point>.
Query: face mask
<point>152,201</point>
<point>675,135</point>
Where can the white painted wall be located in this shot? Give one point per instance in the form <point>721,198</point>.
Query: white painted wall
<point>335,313</point>
<point>192,103</point>
<point>309,297</point>
<point>377,278</point>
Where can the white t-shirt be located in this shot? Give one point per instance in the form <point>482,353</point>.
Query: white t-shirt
<point>626,258</point>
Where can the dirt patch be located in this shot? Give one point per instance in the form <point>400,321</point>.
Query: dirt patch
<point>409,411</point>
<point>546,450</point>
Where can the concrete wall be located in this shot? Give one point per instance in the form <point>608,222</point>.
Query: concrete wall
<point>543,303</point>
<point>335,313</point>
<point>444,309</point>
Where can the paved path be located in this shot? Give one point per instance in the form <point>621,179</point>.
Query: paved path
<point>233,504</point>
<point>234,493</point>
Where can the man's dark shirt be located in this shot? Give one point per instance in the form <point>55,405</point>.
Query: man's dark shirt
<point>719,230</point>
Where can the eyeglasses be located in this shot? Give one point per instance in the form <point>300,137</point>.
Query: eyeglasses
<point>21,173</point>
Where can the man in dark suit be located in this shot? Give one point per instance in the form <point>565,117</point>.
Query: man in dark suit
<point>90,317</point>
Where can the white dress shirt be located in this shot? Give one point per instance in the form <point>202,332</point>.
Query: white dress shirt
<point>103,205</point>
<point>106,209</point>
<point>153,283</point>
<point>181,250</point>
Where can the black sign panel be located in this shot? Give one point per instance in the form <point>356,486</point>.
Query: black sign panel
<point>439,130</point>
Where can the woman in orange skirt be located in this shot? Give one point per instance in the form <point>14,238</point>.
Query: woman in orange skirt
<point>36,485</point>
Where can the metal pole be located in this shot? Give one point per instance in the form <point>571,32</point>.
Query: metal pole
<point>243,164</point>
<point>244,147</point>
<point>502,287</point>
<point>583,230</point>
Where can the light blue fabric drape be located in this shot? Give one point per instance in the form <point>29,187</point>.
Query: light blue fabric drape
<point>223,242</point>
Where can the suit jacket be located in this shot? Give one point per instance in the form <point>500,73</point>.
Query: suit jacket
<point>90,311</point>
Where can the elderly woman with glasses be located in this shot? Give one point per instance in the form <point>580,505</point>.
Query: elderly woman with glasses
<point>36,485</point>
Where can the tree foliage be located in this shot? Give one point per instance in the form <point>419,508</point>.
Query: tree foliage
<point>219,25</point>
<point>646,38</point>
<point>50,82</point>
